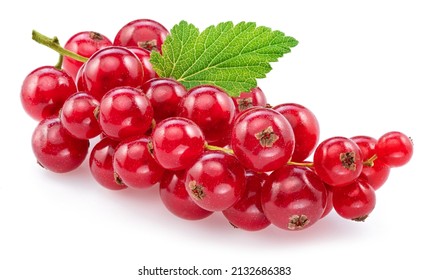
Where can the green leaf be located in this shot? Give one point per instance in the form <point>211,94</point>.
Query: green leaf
<point>229,56</point>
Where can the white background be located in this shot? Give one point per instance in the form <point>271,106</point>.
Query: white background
<point>360,66</point>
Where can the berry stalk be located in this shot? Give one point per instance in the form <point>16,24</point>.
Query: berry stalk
<point>370,162</point>
<point>61,58</point>
<point>52,43</point>
<point>304,164</point>
<point>216,148</point>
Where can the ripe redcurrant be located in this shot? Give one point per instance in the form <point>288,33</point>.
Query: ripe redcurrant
<point>111,67</point>
<point>44,91</point>
<point>125,112</point>
<point>338,161</point>
<point>394,149</point>
<point>84,43</point>
<point>211,109</point>
<point>305,128</point>
<point>293,198</point>
<point>247,213</point>
<point>216,181</point>
<point>262,139</point>
<point>177,143</point>
<point>144,56</point>
<point>252,98</point>
<point>177,200</point>
<point>164,95</point>
<point>78,117</point>
<point>55,148</point>
<point>144,33</point>
<point>134,164</point>
<point>101,164</point>
<point>375,172</point>
<point>354,201</point>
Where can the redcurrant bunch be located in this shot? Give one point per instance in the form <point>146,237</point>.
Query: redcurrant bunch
<point>206,151</point>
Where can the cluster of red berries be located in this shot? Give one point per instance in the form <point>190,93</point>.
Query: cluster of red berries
<point>206,150</point>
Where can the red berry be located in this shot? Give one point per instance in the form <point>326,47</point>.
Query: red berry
<point>109,68</point>
<point>177,143</point>
<point>262,139</point>
<point>134,164</point>
<point>375,174</point>
<point>144,56</point>
<point>44,91</point>
<point>101,164</point>
<point>354,201</point>
<point>80,83</point>
<point>84,43</point>
<point>247,213</point>
<point>216,181</point>
<point>125,112</point>
<point>338,161</point>
<point>305,128</point>
<point>211,109</point>
<point>177,200</point>
<point>55,149</point>
<point>246,100</point>
<point>144,33</point>
<point>293,198</point>
<point>164,95</point>
<point>78,116</point>
<point>394,149</point>
<point>329,205</point>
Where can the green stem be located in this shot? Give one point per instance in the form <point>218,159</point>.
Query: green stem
<point>51,43</point>
<point>216,148</point>
<point>61,57</point>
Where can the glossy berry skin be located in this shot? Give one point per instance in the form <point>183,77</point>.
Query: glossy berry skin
<point>78,117</point>
<point>394,149</point>
<point>211,109</point>
<point>177,143</point>
<point>84,43</point>
<point>329,205</point>
<point>247,213</point>
<point>55,149</point>
<point>338,161</point>
<point>366,145</point>
<point>354,201</point>
<point>125,112</point>
<point>262,139</point>
<point>252,98</point>
<point>101,164</point>
<point>177,200</point>
<point>377,174</point>
<point>80,83</point>
<point>216,181</point>
<point>144,56</point>
<point>134,164</point>
<point>44,91</point>
<point>109,68</point>
<point>144,33</point>
<point>293,198</point>
<point>305,128</point>
<point>164,95</point>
